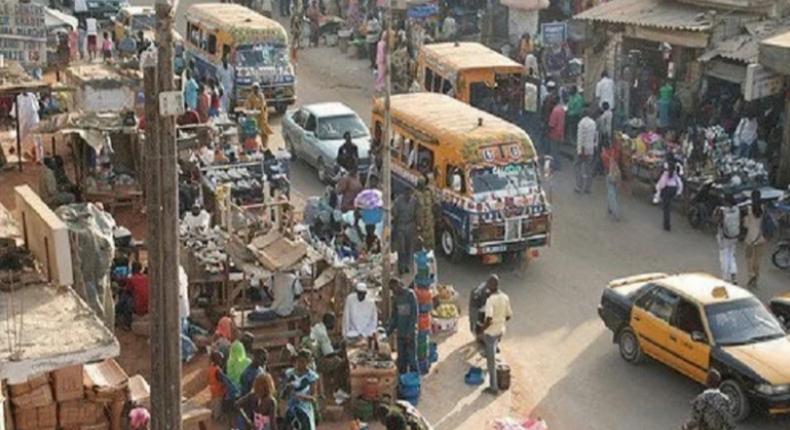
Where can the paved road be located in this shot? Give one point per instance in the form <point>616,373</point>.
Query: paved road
<point>570,371</point>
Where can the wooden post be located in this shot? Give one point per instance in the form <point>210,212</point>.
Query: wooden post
<point>386,240</point>
<point>163,232</point>
<point>783,175</point>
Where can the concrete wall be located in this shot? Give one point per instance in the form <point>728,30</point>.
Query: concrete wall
<point>46,236</point>
<point>520,22</point>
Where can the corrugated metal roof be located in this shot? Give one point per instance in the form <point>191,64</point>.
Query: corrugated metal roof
<point>664,14</point>
<point>745,48</point>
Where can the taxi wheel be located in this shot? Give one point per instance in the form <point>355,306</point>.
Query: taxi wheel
<point>739,403</point>
<point>629,346</point>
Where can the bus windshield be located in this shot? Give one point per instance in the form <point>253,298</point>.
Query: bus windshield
<point>504,181</point>
<point>261,56</point>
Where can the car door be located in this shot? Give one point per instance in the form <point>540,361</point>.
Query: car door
<point>293,131</point>
<point>689,341</point>
<point>650,319</point>
<point>310,142</point>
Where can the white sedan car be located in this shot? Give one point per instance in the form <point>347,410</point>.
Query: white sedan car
<point>315,132</point>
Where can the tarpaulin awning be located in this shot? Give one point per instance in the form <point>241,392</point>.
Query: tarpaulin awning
<point>668,15</point>
<point>93,127</point>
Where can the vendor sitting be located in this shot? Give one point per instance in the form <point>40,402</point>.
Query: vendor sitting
<point>329,362</point>
<point>53,192</point>
<point>197,219</point>
<point>283,288</point>
<point>360,315</point>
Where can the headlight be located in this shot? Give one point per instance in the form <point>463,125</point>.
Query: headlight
<point>772,390</point>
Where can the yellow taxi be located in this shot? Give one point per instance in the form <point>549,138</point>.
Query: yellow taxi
<point>780,306</point>
<point>695,322</point>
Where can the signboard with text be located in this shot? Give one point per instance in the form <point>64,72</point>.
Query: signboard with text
<point>761,82</point>
<point>554,33</point>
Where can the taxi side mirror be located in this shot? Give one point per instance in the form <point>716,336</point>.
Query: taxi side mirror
<point>699,337</point>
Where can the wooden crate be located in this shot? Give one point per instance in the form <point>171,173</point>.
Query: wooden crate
<point>67,383</point>
<point>386,381</point>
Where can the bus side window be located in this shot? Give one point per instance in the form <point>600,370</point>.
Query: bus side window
<point>455,179</point>
<point>446,86</point>
<point>409,154</point>
<point>428,79</point>
<point>212,44</point>
<point>397,144</point>
<point>424,160</point>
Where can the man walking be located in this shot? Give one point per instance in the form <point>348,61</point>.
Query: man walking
<point>372,37</point>
<point>497,312</point>
<point>586,142</point>
<point>604,90</point>
<point>347,153</point>
<point>404,220</point>
<point>711,409</point>
<point>556,132</point>
<point>404,320</point>
<point>728,217</point>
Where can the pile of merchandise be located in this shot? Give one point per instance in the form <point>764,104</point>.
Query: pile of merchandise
<point>446,314</point>
<point>740,170</point>
<point>207,247</point>
<point>423,283</point>
<point>90,397</point>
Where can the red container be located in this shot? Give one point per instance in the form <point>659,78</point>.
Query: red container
<point>424,296</point>
<point>424,322</point>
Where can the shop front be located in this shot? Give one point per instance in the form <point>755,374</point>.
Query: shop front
<point>774,54</point>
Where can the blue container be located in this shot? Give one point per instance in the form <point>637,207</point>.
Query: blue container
<point>422,336</point>
<point>425,366</point>
<point>425,308</point>
<point>409,386</point>
<point>433,352</point>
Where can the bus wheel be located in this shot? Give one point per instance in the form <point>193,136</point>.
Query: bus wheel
<point>450,245</point>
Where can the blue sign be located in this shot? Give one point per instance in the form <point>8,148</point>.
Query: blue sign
<point>554,33</point>
<point>424,10</point>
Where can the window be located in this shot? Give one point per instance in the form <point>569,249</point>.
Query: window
<point>299,118</point>
<point>662,304</point>
<point>446,87</point>
<point>742,322</point>
<point>407,154</point>
<point>687,317</point>
<point>310,125</point>
<point>424,160</point>
<point>453,171</point>
<point>397,145</point>
<point>437,84</point>
<point>212,44</point>
<point>428,84</point>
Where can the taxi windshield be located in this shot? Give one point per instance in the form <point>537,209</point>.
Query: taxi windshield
<point>504,181</point>
<point>742,322</point>
<point>335,126</point>
<point>261,56</point>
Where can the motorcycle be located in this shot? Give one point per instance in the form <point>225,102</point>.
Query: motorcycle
<point>781,256</point>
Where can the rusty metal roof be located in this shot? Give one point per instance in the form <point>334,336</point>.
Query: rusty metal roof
<point>664,14</point>
<point>745,48</point>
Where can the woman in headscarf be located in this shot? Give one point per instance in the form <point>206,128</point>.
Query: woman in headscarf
<point>237,362</point>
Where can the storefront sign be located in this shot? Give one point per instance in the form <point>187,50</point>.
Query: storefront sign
<point>423,10</point>
<point>761,82</point>
<point>554,33</point>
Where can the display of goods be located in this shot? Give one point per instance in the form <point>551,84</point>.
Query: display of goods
<point>446,311</point>
<point>446,292</point>
<point>424,295</point>
<point>425,308</point>
<point>444,325</point>
<point>425,366</point>
<point>67,383</point>
<point>424,322</point>
<point>740,170</point>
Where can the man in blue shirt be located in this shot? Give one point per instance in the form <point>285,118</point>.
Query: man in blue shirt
<point>190,91</point>
<point>404,320</point>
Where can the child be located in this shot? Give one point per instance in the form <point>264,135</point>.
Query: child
<point>107,47</point>
<point>215,384</point>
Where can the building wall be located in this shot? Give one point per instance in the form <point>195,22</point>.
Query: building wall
<point>520,22</point>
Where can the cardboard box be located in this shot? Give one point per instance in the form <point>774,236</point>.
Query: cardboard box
<point>41,396</point>
<point>76,413</point>
<point>47,416</point>
<point>67,383</point>
<point>25,419</point>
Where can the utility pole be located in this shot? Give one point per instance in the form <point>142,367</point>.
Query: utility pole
<point>386,270</point>
<point>162,199</point>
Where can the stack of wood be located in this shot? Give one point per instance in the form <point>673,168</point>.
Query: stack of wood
<point>90,397</point>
